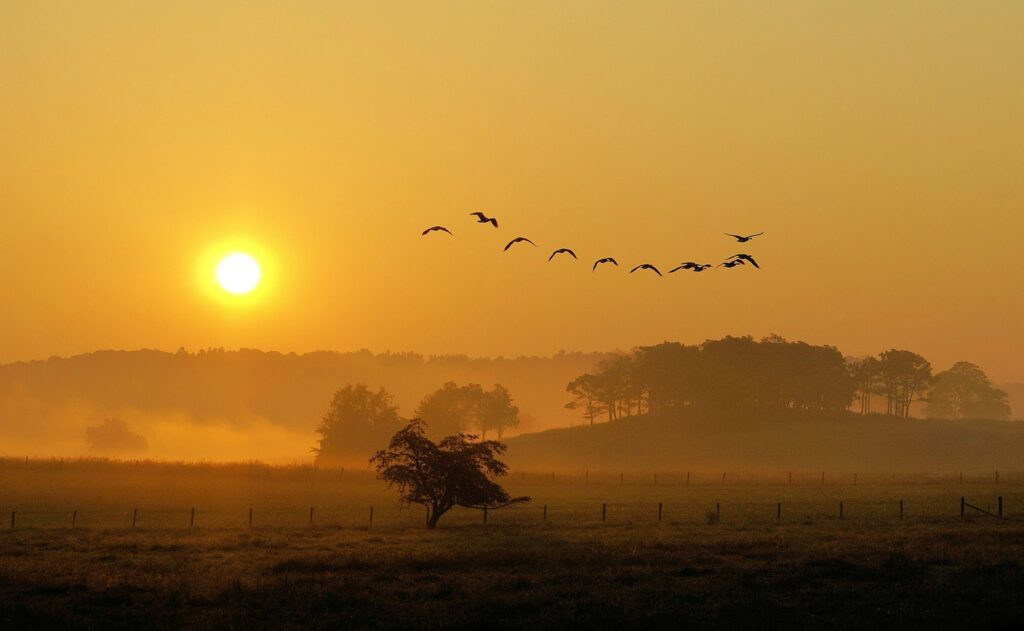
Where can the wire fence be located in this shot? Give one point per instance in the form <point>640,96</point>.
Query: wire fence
<point>534,513</point>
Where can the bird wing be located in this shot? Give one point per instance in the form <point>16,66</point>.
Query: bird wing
<point>752,261</point>
<point>735,236</point>
<point>671,271</point>
<point>493,221</point>
<point>527,240</point>
<point>596,263</point>
<point>656,271</point>
<point>613,262</point>
<point>635,268</point>
<point>510,244</point>
<point>477,214</point>
<point>553,255</point>
<point>751,236</point>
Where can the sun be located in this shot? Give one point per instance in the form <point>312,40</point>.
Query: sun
<point>238,273</point>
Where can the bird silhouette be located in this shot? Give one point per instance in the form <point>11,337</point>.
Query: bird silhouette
<point>732,264</point>
<point>697,267</point>
<point>482,218</point>
<point>435,229</point>
<point>646,266</point>
<point>518,240</point>
<point>562,251</point>
<point>745,257</point>
<point>607,259</point>
<point>743,239</point>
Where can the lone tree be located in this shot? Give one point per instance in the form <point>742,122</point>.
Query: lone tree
<point>457,471</point>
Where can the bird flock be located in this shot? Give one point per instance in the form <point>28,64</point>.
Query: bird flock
<point>736,260</point>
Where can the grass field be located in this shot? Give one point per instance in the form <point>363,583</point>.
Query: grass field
<point>750,567</point>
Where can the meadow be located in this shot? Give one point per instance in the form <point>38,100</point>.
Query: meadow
<point>720,556</point>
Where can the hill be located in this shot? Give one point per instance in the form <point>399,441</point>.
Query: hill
<point>839,442</point>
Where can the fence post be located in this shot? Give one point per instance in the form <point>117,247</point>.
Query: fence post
<point>718,511</point>
<point>901,509</point>
<point>687,478</point>
<point>659,512</point>
<point>778,511</point>
<point>371,515</point>
<point>428,515</point>
<point>1000,507</point>
<point>74,518</point>
<point>586,476</point>
<point>310,515</point>
<point>962,502</point>
<point>545,513</point>
<point>250,517</point>
<point>485,516</point>
<point>840,509</point>
<point>604,513</point>
<point>791,477</point>
<point>12,512</point>
<point>135,516</point>
<point>723,477</point>
<point>192,518</point>
<point>620,479</point>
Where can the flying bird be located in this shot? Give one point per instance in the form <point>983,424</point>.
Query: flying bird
<point>562,251</point>
<point>646,266</point>
<point>747,258</point>
<point>732,264</point>
<point>482,218</point>
<point>435,229</point>
<point>697,267</point>
<point>743,239</point>
<point>518,240</point>
<point>604,260</point>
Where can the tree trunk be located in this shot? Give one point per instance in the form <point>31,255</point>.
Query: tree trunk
<point>435,516</point>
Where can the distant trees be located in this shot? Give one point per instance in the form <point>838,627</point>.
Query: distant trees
<point>497,412</point>
<point>357,422</point>
<point>865,373</point>
<point>734,373</point>
<point>457,471</point>
<point>113,436</point>
<point>453,408</point>
<point>965,391</point>
<point>905,377</point>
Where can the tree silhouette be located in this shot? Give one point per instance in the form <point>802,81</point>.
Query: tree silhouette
<point>451,408</point>
<point>964,391</point>
<point>865,373</point>
<point>357,421</point>
<point>731,374</point>
<point>458,471</point>
<point>495,411</point>
<point>906,377</point>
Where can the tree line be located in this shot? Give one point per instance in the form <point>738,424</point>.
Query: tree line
<point>741,374</point>
<point>359,420</point>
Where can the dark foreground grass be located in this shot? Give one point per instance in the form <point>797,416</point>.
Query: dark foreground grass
<point>821,574</point>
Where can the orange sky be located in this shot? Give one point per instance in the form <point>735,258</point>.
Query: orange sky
<point>879,144</point>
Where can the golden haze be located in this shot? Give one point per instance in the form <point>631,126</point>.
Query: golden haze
<point>877,143</point>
